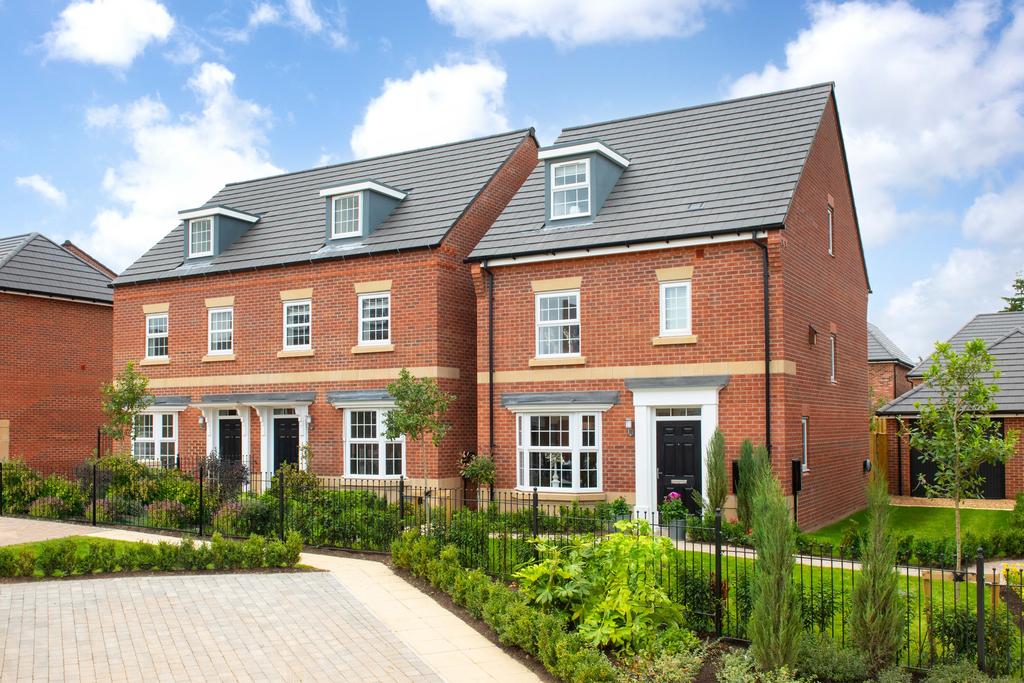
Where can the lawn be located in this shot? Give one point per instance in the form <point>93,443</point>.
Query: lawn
<point>923,522</point>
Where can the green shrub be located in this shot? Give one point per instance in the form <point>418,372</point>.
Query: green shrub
<point>15,562</point>
<point>752,466</point>
<point>57,558</point>
<point>298,484</point>
<point>822,659</point>
<point>819,604</point>
<point>360,520</point>
<point>167,514</point>
<point>22,485</point>
<point>1017,517</point>
<point>894,674</point>
<point>955,630</point>
<point>105,511</point>
<point>70,493</point>
<point>48,507</point>
<point>694,590</point>
<point>963,671</point>
<point>739,667</point>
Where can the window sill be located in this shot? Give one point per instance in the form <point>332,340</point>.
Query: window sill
<point>155,361</point>
<point>218,357</point>
<point>295,353</point>
<point>675,339</point>
<point>373,348</point>
<point>547,362</point>
<point>568,495</point>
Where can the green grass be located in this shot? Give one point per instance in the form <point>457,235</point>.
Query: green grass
<point>923,522</point>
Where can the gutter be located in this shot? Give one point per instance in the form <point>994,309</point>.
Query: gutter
<point>490,356</point>
<point>763,245</point>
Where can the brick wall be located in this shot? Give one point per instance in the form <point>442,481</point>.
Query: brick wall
<point>54,355</point>
<point>887,381</point>
<point>432,326</point>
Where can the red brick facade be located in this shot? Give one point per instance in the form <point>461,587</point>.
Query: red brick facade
<point>619,317</point>
<point>54,355</point>
<point>432,332</point>
<point>888,380</point>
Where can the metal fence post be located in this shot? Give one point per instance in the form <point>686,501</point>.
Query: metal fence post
<point>980,569</point>
<point>94,494</point>
<point>536,512</point>
<point>202,510</point>
<point>401,503</point>
<point>718,572</point>
<point>280,503</point>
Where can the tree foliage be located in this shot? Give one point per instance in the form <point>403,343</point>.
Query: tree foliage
<point>955,431</point>
<point>876,607</point>
<point>753,465</point>
<point>123,399</point>
<point>1015,302</point>
<point>420,408</point>
<point>718,486</point>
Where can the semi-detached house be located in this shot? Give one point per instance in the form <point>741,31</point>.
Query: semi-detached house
<point>661,276</point>
<point>274,316</point>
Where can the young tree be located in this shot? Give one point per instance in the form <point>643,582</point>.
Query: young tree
<point>876,608</point>
<point>1015,302</point>
<point>718,487</point>
<point>420,407</point>
<point>775,626</point>
<point>955,431</point>
<point>123,399</point>
<point>753,464</point>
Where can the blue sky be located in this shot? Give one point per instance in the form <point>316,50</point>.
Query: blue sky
<point>120,112</point>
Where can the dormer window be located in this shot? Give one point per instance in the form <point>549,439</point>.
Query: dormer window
<point>570,189</point>
<point>346,215</point>
<point>200,237</point>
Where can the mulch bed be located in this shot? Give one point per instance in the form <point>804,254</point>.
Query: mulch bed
<point>175,572</point>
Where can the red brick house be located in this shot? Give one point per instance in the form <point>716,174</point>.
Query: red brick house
<point>275,315</point>
<point>888,365</point>
<point>55,304</point>
<point>659,276</point>
<point>1004,335</point>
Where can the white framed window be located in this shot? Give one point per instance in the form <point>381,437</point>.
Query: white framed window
<point>346,215</point>
<point>674,301</point>
<point>368,453</point>
<point>155,439</point>
<point>803,434</point>
<point>558,324</point>
<point>832,357</point>
<point>831,233</point>
<point>200,237</point>
<point>375,318</point>
<point>156,335</point>
<point>297,324</point>
<point>559,452</point>
<point>570,189</point>
<point>220,324</point>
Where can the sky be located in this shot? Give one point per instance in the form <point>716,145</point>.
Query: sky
<point>119,113</point>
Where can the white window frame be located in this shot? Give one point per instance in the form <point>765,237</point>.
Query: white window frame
<point>662,300</point>
<point>574,186</point>
<point>831,231</point>
<point>285,325</point>
<point>166,333</point>
<point>804,441</point>
<point>157,438</point>
<point>538,324</point>
<point>381,441</point>
<point>191,224</point>
<point>832,358</point>
<point>523,449</point>
<point>361,299</point>
<point>209,331</point>
<point>335,232</point>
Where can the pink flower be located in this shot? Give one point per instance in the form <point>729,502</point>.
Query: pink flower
<point>673,496</point>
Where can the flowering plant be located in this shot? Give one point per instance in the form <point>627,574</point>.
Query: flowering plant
<point>1013,576</point>
<point>672,507</point>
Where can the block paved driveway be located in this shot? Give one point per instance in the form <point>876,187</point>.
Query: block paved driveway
<point>354,621</point>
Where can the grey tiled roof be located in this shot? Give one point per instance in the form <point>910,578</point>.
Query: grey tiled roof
<point>440,181</point>
<point>716,168</point>
<point>1008,355</point>
<point>881,349</point>
<point>34,264</point>
<point>988,326</point>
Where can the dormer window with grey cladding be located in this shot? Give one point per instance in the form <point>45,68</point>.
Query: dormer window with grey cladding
<point>354,209</point>
<point>577,179</point>
<point>210,230</point>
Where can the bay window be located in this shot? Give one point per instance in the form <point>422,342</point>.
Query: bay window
<point>559,452</point>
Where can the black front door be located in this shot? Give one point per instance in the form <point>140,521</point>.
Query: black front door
<point>286,441</point>
<point>230,440</point>
<point>679,466</point>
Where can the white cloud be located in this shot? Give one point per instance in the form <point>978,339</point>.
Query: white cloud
<point>108,32</point>
<point>572,22</point>
<point>925,97</point>
<point>43,187</point>
<point>303,13</point>
<point>442,104</point>
<point>998,217</point>
<point>178,162</point>
<point>299,14</point>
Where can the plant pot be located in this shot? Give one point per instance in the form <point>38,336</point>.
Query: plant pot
<point>677,529</point>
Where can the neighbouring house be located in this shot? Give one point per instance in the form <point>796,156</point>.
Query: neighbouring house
<point>274,316</point>
<point>1004,335</point>
<point>888,365</point>
<point>56,308</point>
<point>662,275</point>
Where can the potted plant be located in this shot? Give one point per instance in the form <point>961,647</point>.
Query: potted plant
<point>673,515</point>
<point>478,470</point>
<point>619,511</point>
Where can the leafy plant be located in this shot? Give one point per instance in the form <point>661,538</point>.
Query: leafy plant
<point>479,470</point>
<point>123,399</point>
<point>820,658</point>
<point>619,507</point>
<point>167,514</point>
<point>955,631</point>
<point>672,507</point>
<point>420,408</point>
<point>48,507</point>
<point>717,484</point>
<point>753,465</point>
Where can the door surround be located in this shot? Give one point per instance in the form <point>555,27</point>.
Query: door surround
<point>648,396</point>
<point>211,418</point>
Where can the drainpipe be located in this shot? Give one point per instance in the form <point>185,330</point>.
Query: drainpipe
<point>490,356</point>
<point>763,244</point>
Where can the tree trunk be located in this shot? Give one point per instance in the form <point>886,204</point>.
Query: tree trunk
<point>956,523</point>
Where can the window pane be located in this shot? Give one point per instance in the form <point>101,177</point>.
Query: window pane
<point>559,339</point>
<point>221,330</point>
<point>374,314</point>
<point>393,459</point>
<point>156,346</point>
<point>363,459</point>
<point>144,449</point>
<point>557,308</point>
<point>551,469</point>
<point>143,426</point>
<point>200,236</point>
<point>549,430</point>
<point>167,426</point>
<point>346,215</point>
<point>589,427</point>
<point>570,174</point>
<point>363,424</point>
<point>676,307</point>
<point>588,470</point>
<point>570,202</point>
<point>296,320</point>
<point>156,324</point>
